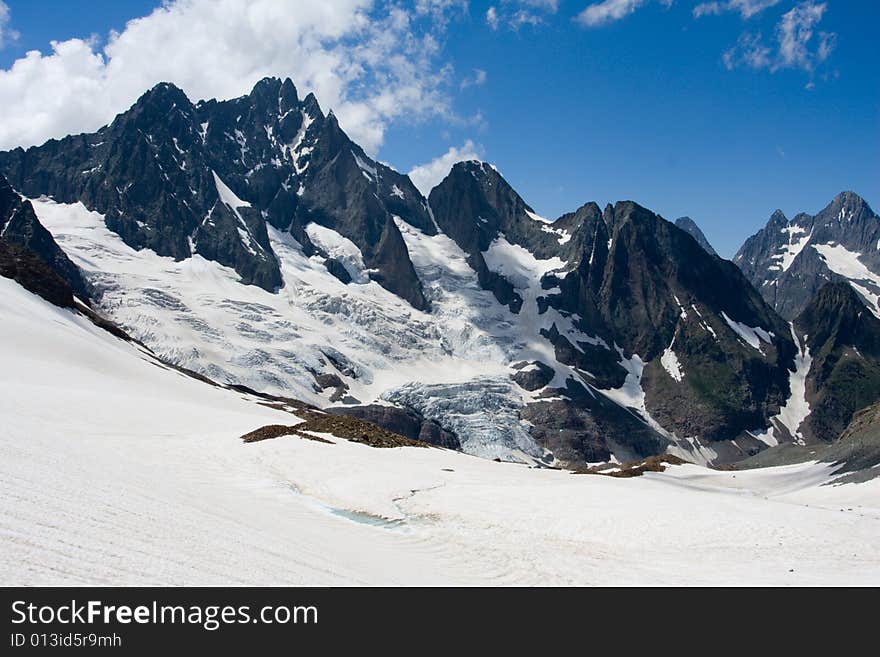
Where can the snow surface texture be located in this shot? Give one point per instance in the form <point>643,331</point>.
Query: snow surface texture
<point>341,248</point>
<point>117,471</point>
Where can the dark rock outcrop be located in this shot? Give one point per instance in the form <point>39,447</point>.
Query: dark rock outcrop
<point>33,274</point>
<point>532,376</point>
<point>20,226</point>
<point>405,422</point>
<point>844,341</point>
<point>649,289</point>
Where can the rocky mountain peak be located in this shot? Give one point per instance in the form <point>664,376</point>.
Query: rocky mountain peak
<point>183,179</point>
<point>274,89</point>
<point>160,100</point>
<point>311,106</point>
<point>789,261</point>
<point>690,226</point>
<point>849,199</point>
<point>624,320</point>
<point>778,217</point>
<point>847,207</point>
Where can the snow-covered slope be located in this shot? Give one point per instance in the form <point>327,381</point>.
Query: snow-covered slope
<point>116,470</point>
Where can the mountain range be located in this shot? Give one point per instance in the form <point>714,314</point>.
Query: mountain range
<point>252,242</point>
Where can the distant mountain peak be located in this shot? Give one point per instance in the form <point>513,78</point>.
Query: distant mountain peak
<point>848,205</point>
<point>789,261</point>
<point>689,226</point>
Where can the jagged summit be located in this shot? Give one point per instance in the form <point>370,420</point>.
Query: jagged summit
<point>790,260</point>
<point>182,179</point>
<point>850,199</point>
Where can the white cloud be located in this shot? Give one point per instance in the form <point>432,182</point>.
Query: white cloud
<point>608,11</point>
<point>795,46</point>
<point>794,33</point>
<point>441,10</point>
<point>746,8</point>
<point>6,33</point>
<point>427,176</point>
<point>516,13</point>
<point>492,17</point>
<point>749,51</point>
<point>478,79</point>
<point>372,63</point>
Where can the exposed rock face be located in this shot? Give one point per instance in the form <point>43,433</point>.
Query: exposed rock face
<point>689,226</point>
<point>654,292</point>
<point>532,376</point>
<point>33,274</point>
<point>789,261</point>
<point>857,450</point>
<point>844,341</point>
<point>403,421</point>
<point>580,425</point>
<point>20,227</point>
<point>475,206</point>
<point>181,179</point>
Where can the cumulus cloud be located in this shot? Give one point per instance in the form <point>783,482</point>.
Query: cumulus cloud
<point>745,8</point>
<point>7,34</point>
<point>371,62</point>
<point>794,46</point>
<point>427,176</point>
<point>608,11</point>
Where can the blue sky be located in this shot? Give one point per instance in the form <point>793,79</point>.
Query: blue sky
<point>643,106</point>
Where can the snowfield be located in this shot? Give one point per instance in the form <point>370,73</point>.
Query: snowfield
<point>117,470</point>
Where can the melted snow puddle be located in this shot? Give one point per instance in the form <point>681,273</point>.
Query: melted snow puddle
<point>359,517</point>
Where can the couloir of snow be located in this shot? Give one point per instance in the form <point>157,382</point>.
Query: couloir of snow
<point>117,470</point>
<point>751,335</point>
<point>798,238</point>
<point>796,409</point>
